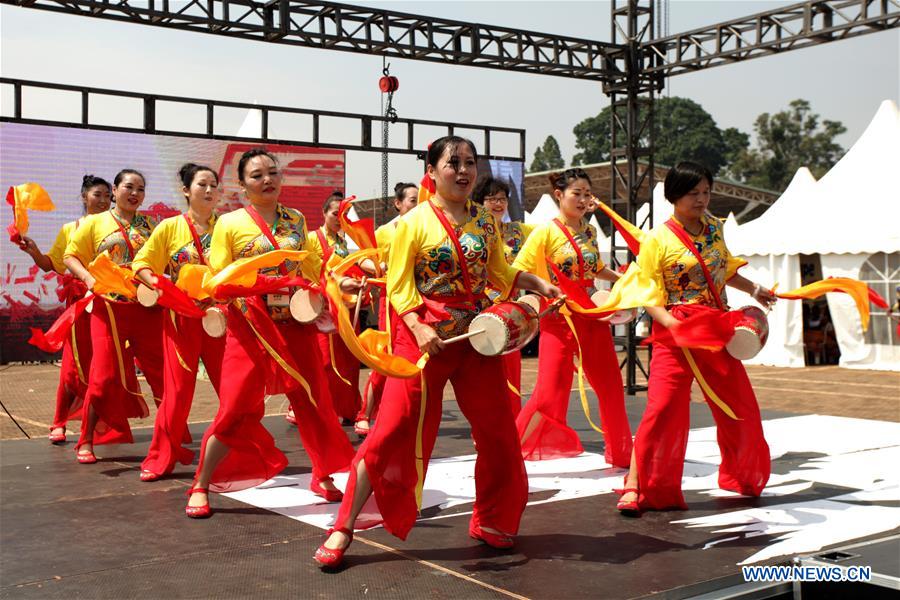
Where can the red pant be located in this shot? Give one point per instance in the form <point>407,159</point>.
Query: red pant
<point>113,390</point>
<point>376,380</point>
<point>184,344</point>
<point>253,456</point>
<point>74,371</point>
<point>553,438</point>
<point>512,370</point>
<point>389,451</point>
<point>661,440</point>
<point>344,396</point>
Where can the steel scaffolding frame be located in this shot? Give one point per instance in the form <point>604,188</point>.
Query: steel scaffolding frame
<point>632,69</point>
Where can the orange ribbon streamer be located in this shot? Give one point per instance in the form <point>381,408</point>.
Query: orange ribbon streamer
<point>362,232</point>
<point>22,198</point>
<point>370,348</point>
<point>111,278</point>
<point>857,290</point>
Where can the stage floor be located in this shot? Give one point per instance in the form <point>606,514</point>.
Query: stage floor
<point>96,531</point>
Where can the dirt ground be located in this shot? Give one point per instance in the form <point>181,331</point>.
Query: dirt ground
<point>29,391</point>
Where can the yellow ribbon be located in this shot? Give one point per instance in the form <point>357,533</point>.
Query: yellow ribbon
<point>420,459</point>
<point>513,389</point>
<point>282,363</point>
<point>75,355</point>
<point>243,272</point>
<point>584,400</point>
<point>119,359</point>
<point>333,362</point>
<point>705,386</point>
<point>368,347</point>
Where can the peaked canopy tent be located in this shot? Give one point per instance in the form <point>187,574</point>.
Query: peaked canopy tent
<point>850,219</point>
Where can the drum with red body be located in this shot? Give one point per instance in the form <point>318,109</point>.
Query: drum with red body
<point>620,317</point>
<point>750,334</point>
<point>506,327</point>
<point>309,306</point>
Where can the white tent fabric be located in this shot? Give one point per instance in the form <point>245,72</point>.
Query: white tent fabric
<point>851,213</point>
<point>251,127</point>
<point>544,212</point>
<point>775,232</point>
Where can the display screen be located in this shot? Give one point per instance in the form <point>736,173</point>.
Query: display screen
<point>58,157</point>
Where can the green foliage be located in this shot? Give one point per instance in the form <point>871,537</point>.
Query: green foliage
<point>547,157</point>
<point>786,141</point>
<point>683,130</point>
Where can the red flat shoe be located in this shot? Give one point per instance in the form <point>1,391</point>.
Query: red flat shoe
<point>290,418</point>
<point>331,558</point>
<point>329,495</point>
<point>198,512</point>
<point>57,438</point>
<point>149,476</point>
<point>629,509</point>
<point>86,458</point>
<point>360,431</point>
<point>494,540</point>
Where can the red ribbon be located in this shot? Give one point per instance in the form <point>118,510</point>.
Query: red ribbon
<point>264,285</point>
<point>174,298</point>
<point>52,340</point>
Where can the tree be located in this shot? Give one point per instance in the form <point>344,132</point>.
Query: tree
<point>547,157</point>
<point>683,130</point>
<point>786,141</point>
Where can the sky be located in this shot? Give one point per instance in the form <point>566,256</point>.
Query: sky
<point>844,81</point>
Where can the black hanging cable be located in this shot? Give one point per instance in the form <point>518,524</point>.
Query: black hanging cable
<point>13,419</point>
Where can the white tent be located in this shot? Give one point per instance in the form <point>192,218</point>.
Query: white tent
<point>849,217</point>
<point>543,212</point>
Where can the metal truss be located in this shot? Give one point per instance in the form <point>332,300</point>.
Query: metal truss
<point>771,32</point>
<point>333,26</point>
<point>631,145</point>
<point>149,123</point>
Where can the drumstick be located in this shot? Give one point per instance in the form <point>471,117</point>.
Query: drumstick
<point>359,297</point>
<point>464,336</point>
<point>553,306</point>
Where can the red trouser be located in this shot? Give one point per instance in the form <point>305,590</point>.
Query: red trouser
<point>553,438</point>
<point>74,371</point>
<point>389,451</point>
<point>113,390</point>
<point>345,397</point>
<point>184,344</point>
<point>253,457</point>
<point>376,380</point>
<point>512,370</point>
<point>661,440</point>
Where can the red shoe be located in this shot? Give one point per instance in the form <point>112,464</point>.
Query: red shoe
<point>290,418</point>
<point>331,558</point>
<point>329,495</point>
<point>629,509</point>
<point>149,475</point>
<point>500,541</point>
<point>198,512</point>
<point>57,438</point>
<point>86,458</point>
<point>359,430</point>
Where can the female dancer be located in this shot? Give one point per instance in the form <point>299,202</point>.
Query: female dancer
<point>175,242</point>
<point>237,451</point>
<point>121,330</point>
<point>451,249</point>
<point>494,195</point>
<point>685,283</point>
<point>570,243</point>
<point>406,196</point>
<point>340,366</point>
<point>76,358</point>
